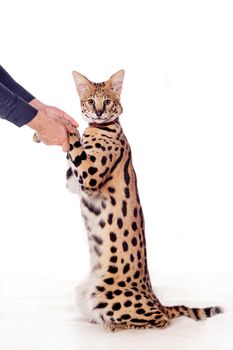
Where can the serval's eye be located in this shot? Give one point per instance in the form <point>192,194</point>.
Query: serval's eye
<point>91,101</point>
<point>107,102</point>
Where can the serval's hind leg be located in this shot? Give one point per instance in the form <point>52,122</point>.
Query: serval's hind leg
<point>163,322</point>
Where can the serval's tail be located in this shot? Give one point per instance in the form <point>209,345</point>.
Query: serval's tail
<point>194,313</point>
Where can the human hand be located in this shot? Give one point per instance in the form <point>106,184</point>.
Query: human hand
<point>54,131</point>
<point>51,130</point>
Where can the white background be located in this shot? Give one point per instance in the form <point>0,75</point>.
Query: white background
<point>177,100</point>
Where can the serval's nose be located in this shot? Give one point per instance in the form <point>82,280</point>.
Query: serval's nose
<point>100,112</point>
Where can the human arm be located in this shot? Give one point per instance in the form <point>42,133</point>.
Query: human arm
<point>7,80</point>
<point>14,109</point>
<point>20,107</point>
<point>50,129</point>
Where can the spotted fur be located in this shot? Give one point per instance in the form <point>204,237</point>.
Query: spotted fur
<point>118,293</point>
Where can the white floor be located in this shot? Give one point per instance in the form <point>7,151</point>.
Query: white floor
<point>38,313</point>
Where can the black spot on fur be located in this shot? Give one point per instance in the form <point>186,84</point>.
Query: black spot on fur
<point>140,311</point>
<point>126,172</point>
<point>112,236</point>
<point>195,311</point>
<point>126,232</point>
<point>108,179</point>
<point>102,223</point>
<point>104,160</point>
<point>126,268</point>
<point>109,281</point>
<point>103,204</point>
<point>112,269</point>
<point>113,259</point>
<point>134,226</point>
<point>92,170</point>
<point>116,306</point>
<point>125,317</point>
<point>78,159</point>
<point>109,295</point>
<point>69,173</point>
<point>97,251</point>
<point>134,241</point>
<point>150,304</point>
<point>117,292</point>
<point>149,314</point>
<point>128,303</point>
<point>118,160</point>
<point>108,137</point>
<point>92,182</point>
<point>125,246</point>
<point>77,144</point>
<point>113,249</point>
<point>121,284</point>
<point>107,129</point>
<point>101,305</point>
<point>119,223</point>
<point>111,189</point>
<point>97,239</point>
<point>208,311</point>
<point>127,194</point>
<point>91,207</point>
<point>93,158</point>
<point>128,293</point>
<point>124,208</point>
<point>138,305</point>
<point>137,274</point>
<point>110,216</point>
<point>113,201</point>
<point>104,172</point>
<point>141,218</point>
<point>138,320</point>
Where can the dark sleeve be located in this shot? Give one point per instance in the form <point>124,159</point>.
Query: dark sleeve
<point>14,108</point>
<point>13,86</point>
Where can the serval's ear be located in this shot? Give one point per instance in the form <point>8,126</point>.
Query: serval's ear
<point>116,82</point>
<point>83,85</point>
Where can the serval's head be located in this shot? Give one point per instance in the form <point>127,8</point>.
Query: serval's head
<point>100,102</point>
